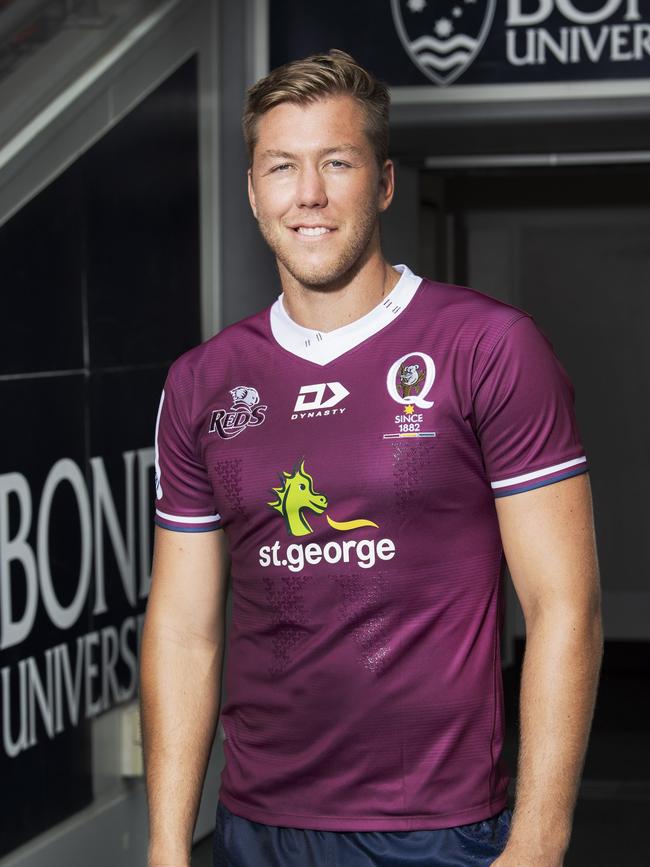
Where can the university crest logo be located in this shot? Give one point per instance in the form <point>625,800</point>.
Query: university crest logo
<point>442,37</point>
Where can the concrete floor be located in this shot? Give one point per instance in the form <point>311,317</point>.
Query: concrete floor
<point>613,810</point>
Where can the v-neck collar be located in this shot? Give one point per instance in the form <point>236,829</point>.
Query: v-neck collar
<point>321,347</point>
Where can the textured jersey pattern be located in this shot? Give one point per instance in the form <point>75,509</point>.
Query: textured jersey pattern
<point>357,491</point>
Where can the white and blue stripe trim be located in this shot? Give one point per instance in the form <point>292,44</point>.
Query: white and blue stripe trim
<point>187,523</point>
<point>539,478</point>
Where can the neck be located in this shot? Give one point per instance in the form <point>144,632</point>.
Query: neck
<point>327,308</point>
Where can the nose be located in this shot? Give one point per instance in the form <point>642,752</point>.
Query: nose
<point>310,188</point>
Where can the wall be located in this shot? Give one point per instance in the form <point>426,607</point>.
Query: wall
<point>249,277</point>
<point>110,270</point>
<point>573,251</point>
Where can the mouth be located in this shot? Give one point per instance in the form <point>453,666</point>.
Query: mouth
<point>312,231</point>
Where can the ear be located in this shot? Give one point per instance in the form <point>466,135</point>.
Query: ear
<point>386,185</point>
<point>251,192</point>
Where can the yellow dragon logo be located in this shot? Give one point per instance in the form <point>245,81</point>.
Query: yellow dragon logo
<point>296,494</point>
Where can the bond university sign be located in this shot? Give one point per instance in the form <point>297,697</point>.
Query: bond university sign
<point>444,37</point>
<point>442,44</point>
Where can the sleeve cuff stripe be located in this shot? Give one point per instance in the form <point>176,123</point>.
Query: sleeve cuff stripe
<point>204,528</point>
<point>530,486</point>
<point>185,519</point>
<point>536,474</point>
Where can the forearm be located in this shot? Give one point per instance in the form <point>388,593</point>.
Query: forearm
<point>180,680</point>
<point>558,690</point>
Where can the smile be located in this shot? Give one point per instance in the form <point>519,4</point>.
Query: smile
<point>312,231</point>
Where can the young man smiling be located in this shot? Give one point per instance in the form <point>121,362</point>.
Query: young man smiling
<point>363,715</point>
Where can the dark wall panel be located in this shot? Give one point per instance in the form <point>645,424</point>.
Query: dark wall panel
<point>48,425</point>
<point>142,223</point>
<point>41,252</point>
<point>101,291</point>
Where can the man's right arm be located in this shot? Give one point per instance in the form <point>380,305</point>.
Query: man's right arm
<point>181,661</point>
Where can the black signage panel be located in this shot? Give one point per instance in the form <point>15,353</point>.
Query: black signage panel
<point>101,292</point>
<point>441,43</point>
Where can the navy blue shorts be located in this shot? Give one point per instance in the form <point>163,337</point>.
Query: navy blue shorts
<point>239,842</point>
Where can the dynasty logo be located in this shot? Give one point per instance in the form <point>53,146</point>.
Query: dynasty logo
<point>294,497</point>
<point>246,411</point>
<point>319,399</point>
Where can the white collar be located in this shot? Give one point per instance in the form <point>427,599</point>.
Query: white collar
<point>321,347</point>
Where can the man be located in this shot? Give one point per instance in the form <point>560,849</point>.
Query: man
<point>363,452</point>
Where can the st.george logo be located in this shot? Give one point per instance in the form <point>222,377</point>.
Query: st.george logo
<point>296,494</point>
<point>294,497</point>
<point>246,411</point>
<point>442,37</point>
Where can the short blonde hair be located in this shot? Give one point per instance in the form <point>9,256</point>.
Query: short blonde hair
<point>317,77</point>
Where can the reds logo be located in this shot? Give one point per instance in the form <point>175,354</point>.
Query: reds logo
<point>442,37</point>
<point>246,411</point>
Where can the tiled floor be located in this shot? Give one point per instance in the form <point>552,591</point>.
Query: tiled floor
<point>613,812</point>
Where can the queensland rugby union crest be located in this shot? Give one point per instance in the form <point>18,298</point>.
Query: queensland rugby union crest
<point>409,381</point>
<point>442,37</point>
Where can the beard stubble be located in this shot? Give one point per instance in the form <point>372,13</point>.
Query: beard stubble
<point>328,275</point>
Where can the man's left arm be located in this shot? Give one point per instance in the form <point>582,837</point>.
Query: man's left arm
<point>548,540</point>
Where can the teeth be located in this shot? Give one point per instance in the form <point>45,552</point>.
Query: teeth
<point>312,230</point>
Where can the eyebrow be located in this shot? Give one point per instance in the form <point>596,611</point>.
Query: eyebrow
<point>322,153</point>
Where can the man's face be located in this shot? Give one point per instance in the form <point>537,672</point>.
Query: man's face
<point>316,189</point>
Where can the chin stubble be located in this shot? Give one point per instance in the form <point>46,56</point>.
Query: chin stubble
<point>331,273</point>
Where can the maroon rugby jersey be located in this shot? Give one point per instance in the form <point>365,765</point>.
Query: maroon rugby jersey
<point>354,473</point>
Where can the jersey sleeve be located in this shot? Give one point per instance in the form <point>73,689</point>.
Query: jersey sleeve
<point>524,412</point>
<point>184,497</point>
